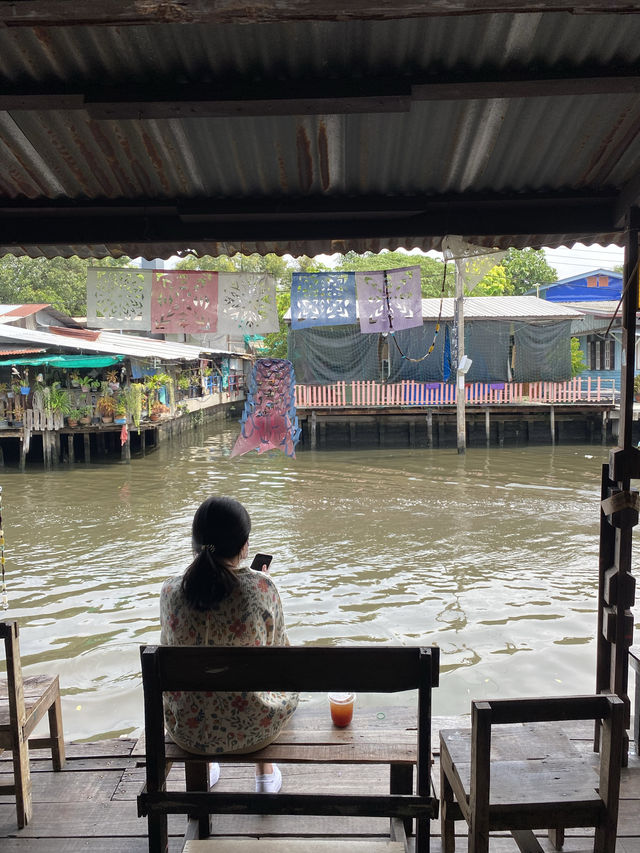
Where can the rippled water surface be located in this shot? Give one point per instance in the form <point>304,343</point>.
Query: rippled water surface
<point>492,556</point>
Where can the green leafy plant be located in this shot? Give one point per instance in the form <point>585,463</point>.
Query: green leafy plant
<point>184,381</point>
<point>636,384</point>
<point>577,358</point>
<point>57,399</point>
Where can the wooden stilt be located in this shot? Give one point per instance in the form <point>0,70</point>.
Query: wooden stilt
<point>314,431</point>
<point>87,447</point>
<point>125,450</point>
<point>352,433</point>
<point>143,441</point>
<point>487,426</point>
<point>429,429</point>
<point>552,424</point>
<point>23,454</point>
<point>71,458</point>
<point>412,433</point>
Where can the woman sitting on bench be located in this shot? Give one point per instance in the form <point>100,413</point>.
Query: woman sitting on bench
<point>219,601</point>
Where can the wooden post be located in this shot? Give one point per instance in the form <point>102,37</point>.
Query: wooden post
<point>605,424</point>
<point>352,433</point>
<point>314,430</point>
<point>87,447</point>
<point>501,433</point>
<point>380,422</point>
<point>552,424</point>
<point>125,449</point>
<point>23,453</point>
<point>143,442</point>
<point>70,449</point>
<point>412,433</point>
<point>429,429</point>
<point>619,514</point>
<point>1,457</point>
<point>487,426</point>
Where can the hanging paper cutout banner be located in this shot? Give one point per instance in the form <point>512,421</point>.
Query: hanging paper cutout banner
<point>119,298</point>
<point>323,299</point>
<point>389,300</point>
<point>246,304</point>
<point>472,262</point>
<point>184,301</point>
<point>269,420</point>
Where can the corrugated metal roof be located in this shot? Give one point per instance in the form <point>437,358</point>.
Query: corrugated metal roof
<point>435,148</point>
<point>111,343</point>
<point>501,308</point>
<point>9,350</point>
<point>601,308</point>
<point>494,308</point>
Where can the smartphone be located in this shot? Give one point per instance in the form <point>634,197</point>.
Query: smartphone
<point>261,560</point>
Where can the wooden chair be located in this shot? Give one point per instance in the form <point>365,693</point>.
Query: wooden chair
<point>23,703</point>
<point>309,669</point>
<point>530,778</point>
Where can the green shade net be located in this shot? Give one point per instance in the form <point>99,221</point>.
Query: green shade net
<point>72,361</point>
<point>543,352</point>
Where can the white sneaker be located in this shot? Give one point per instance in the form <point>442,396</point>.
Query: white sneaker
<point>269,783</point>
<point>214,773</point>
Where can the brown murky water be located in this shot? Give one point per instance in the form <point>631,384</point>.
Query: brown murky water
<point>492,556</point>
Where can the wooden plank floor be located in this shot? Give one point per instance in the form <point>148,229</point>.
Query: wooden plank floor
<point>91,804</point>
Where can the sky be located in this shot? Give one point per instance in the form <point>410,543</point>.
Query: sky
<point>567,262</point>
<point>580,259</point>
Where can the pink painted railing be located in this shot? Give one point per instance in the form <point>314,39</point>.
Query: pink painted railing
<point>368,394</point>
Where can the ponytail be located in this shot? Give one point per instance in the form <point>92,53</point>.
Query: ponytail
<point>207,581</point>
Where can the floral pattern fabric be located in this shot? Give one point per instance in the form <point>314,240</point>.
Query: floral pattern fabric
<point>251,615</point>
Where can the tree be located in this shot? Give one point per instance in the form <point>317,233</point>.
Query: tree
<point>61,282</point>
<point>577,358</point>
<point>495,283</point>
<point>526,268</point>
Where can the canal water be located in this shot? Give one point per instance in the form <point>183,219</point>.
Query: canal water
<point>492,556</point>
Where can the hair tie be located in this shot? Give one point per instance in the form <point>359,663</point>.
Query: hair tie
<point>210,548</point>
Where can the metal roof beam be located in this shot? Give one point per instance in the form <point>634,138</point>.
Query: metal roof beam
<point>163,99</point>
<point>66,13</point>
<point>219,220</point>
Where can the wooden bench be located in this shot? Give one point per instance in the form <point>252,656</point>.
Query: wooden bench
<point>307,739</point>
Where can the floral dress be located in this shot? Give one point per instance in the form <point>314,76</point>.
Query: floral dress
<point>251,615</point>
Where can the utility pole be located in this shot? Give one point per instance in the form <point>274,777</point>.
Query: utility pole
<point>460,401</point>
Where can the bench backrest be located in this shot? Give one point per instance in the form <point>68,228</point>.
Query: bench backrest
<point>9,634</point>
<point>386,669</point>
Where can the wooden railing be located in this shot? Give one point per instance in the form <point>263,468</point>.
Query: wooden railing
<point>341,395</point>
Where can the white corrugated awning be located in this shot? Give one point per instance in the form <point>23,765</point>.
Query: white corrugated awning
<point>111,343</point>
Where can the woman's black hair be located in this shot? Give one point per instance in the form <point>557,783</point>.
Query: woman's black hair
<point>221,527</point>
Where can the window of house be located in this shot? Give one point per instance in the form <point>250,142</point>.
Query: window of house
<point>601,353</point>
<point>597,281</point>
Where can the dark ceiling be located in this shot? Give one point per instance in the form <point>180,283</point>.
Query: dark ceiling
<point>297,127</point>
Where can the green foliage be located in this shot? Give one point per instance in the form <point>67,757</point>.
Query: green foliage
<point>526,268</point>
<point>495,283</point>
<point>57,399</point>
<point>577,358</point>
<point>61,282</point>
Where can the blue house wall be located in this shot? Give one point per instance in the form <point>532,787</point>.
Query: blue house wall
<point>594,286</point>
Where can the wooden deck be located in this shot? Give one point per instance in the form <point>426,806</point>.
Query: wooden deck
<point>91,804</point>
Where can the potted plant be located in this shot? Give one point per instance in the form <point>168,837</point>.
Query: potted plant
<point>183,384</point>
<point>75,378</point>
<point>73,417</point>
<point>113,379</point>
<point>15,389</point>
<point>85,413</point>
<point>120,413</point>
<point>57,399</point>
<point>25,388</point>
<point>85,387</point>
<point>106,406</point>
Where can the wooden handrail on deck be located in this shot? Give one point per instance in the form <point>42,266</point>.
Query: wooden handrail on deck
<point>369,394</point>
